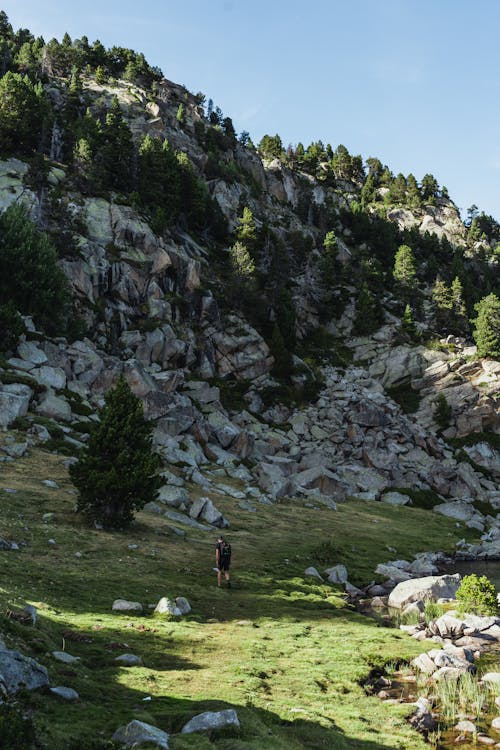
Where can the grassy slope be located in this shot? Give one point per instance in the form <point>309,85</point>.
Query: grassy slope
<point>284,651</point>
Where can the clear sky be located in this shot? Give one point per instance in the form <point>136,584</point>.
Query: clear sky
<point>412,82</point>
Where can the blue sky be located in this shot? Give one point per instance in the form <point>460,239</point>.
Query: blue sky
<point>413,82</point>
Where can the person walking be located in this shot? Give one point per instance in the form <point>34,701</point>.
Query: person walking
<point>223,560</point>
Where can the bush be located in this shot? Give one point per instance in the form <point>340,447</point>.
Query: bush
<point>477,595</point>
<point>117,472</point>
<point>11,327</point>
<point>442,412</point>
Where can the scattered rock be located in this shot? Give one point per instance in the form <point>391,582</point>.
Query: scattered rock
<point>212,720</point>
<point>430,587</point>
<point>18,671</point>
<point>65,657</point>
<point>138,733</point>
<point>123,605</point>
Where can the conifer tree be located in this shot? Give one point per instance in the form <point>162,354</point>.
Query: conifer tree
<point>404,266</point>
<point>117,473</point>
<point>487,327</point>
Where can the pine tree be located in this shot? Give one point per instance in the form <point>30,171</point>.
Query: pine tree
<point>328,260</point>
<point>487,327</point>
<point>29,275</point>
<point>408,324</point>
<point>117,473</point>
<point>405,271</point>
<point>246,232</point>
<point>241,261</point>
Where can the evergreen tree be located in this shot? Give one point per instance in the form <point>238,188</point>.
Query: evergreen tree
<point>29,275</point>
<point>117,473</point>
<point>246,232</point>
<point>443,304</point>
<point>460,322</point>
<point>442,411</point>
<point>404,266</point>
<point>101,76</point>
<point>328,262</point>
<point>408,324</point>
<point>115,152</point>
<point>487,327</point>
<point>23,110</point>
<point>241,261</point>
<point>368,312</point>
<point>283,362</point>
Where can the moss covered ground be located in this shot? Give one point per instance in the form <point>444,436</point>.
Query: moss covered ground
<point>285,651</point>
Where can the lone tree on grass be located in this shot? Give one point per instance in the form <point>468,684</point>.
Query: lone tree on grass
<point>117,474</point>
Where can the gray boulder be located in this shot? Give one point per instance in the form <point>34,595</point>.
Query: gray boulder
<point>123,605</point>
<point>183,605</point>
<point>138,733</point>
<point>336,574</point>
<point>14,402</point>
<point>64,657</point>
<point>313,573</point>
<point>167,607</point>
<point>430,587</point>
<point>212,720</point>
<point>54,407</point>
<point>395,498</point>
<point>459,509</point>
<point>51,377</point>
<point>30,352</point>
<point>18,671</point>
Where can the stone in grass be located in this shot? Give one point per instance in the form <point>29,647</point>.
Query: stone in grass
<point>496,722</point>
<point>18,671</point>
<point>313,573</point>
<point>212,720</point>
<point>138,733</point>
<point>68,694</point>
<point>50,483</point>
<point>493,677</point>
<point>183,604</point>
<point>167,607</point>
<point>336,574</point>
<point>65,657</point>
<point>123,605</point>
<point>129,660</point>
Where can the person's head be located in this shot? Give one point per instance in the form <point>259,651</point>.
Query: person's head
<point>220,539</point>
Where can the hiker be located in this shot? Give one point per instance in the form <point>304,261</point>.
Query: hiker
<point>223,560</point>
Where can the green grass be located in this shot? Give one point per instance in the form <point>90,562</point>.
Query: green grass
<point>285,651</point>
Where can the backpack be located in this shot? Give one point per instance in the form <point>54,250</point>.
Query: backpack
<point>225,551</point>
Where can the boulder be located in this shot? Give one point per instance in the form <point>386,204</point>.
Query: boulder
<point>459,509</point>
<point>183,605</point>
<point>65,658</point>
<point>395,498</point>
<point>50,377</point>
<point>138,733</point>
<point>313,573</point>
<point>424,663</point>
<point>30,352</point>
<point>322,479</point>
<point>167,607</point>
<point>18,671</point>
<point>336,574</point>
<point>430,587</point>
<point>54,407</point>
<point>123,605</point>
<point>14,402</point>
<point>212,720</point>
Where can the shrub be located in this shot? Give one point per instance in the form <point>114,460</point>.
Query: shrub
<point>117,472</point>
<point>477,595</point>
<point>11,327</point>
<point>442,411</point>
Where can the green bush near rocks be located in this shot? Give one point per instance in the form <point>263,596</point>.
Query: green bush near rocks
<point>477,595</point>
